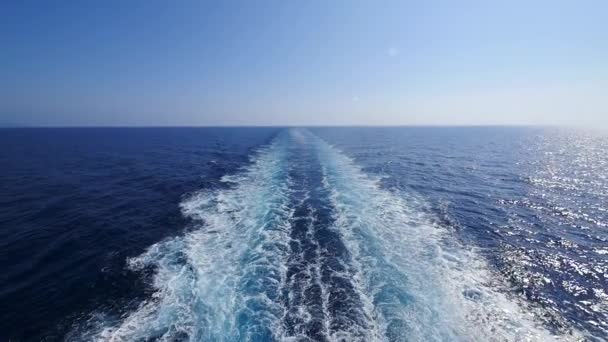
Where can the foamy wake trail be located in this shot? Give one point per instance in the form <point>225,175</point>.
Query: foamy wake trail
<point>219,282</point>
<point>423,285</point>
<point>303,246</point>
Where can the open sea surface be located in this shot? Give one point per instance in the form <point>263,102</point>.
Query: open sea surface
<point>303,234</point>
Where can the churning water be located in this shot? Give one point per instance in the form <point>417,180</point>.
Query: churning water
<point>327,234</point>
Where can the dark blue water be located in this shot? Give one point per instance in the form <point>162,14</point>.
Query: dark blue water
<point>210,234</point>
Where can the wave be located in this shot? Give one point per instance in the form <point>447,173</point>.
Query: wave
<point>423,284</point>
<point>304,246</point>
<point>219,281</point>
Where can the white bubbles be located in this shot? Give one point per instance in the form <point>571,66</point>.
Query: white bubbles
<point>216,282</point>
<point>423,284</point>
<point>404,277</point>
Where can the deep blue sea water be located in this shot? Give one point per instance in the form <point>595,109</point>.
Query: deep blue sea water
<point>318,234</point>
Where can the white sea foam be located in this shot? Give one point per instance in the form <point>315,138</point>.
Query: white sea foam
<point>218,282</point>
<point>226,280</point>
<point>418,281</point>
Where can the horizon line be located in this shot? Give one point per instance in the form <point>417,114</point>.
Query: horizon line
<point>299,126</point>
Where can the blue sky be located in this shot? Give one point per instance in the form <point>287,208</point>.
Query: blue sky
<point>131,63</point>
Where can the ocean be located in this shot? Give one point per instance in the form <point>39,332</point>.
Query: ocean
<point>303,234</point>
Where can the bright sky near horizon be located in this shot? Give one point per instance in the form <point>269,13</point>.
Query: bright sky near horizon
<point>130,63</point>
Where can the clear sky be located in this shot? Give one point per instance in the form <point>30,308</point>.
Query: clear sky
<point>304,62</point>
